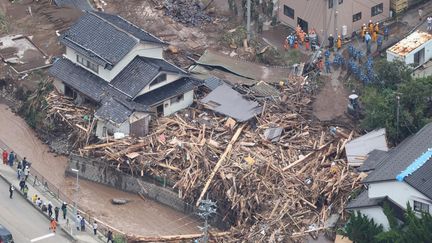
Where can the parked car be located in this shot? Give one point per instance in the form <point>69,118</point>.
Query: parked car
<point>5,235</point>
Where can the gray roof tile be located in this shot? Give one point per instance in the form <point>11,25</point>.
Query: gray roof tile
<point>98,40</point>
<point>113,110</point>
<point>421,179</point>
<point>403,155</point>
<point>80,79</point>
<point>79,4</point>
<point>158,95</point>
<point>374,158</point>
<point>136,75</point>
<point>130,28</point>
<point>363,200</point>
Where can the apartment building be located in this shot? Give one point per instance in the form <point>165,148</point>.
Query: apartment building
<point>332,16</point>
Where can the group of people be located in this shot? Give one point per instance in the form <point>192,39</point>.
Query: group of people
<point>300,38</point>
<point>53,212</point>
<point>371,33</point>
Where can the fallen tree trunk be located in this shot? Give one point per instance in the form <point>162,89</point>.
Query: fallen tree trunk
<point>175,237</point>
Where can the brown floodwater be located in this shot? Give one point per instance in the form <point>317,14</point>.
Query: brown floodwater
<point>139,217</point>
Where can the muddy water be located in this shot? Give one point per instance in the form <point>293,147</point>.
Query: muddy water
<point>141,217</point>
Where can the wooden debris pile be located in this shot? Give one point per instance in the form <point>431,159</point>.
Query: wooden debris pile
<point>267,189</point>
<point>65,114</point>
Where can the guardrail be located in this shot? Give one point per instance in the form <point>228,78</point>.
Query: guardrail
<point>43,185</point>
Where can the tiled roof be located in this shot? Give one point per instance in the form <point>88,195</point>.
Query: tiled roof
<point>399,158</point>
<point>130,28</point>
<point>374,158</point>
<point>136,75</point>
<point>173,89</point>
<point>80,79</point>
<point>165,65</point>
<point>421,179</point>
<point>363,200</point>
<point>79,4</point>
<point>98,40</point>
<point>113,110</point>
<point>213,82</point>
<point>140,72</point>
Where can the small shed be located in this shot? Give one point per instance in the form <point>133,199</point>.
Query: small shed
<point>415,49</point>
<point>357,150</point>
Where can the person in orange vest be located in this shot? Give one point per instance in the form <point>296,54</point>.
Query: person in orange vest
<point>296,45</point>
<point>377,28</point>
<point>320,63</point>
<point>5,157</point>
<point>371,26</point>
<point>374,36</point>
<point>53,225</point>
<point>339,42</point>
<point>307,44</point>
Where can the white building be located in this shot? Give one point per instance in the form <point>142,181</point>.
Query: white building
<point>399,176</point>
<point>416,49</point>
<point>115,64</point>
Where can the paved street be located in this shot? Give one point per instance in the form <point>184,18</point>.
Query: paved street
<point>24,221</point>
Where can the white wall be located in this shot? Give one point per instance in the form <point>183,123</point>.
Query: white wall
<point>409,58</point>
<point>398,192</point>
<point>145,50</point>
<point>170,108</point>
<point>170,78</point>
<point>377,214</point>
<point>123,128</point>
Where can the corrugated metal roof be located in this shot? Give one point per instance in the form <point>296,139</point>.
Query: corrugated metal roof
<point>410,43</point>
<point>358,149</point>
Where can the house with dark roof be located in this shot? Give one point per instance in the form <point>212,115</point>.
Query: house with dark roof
<point>400,176</point>
<point>120,67</point>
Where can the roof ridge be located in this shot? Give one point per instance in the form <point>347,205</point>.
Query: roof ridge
<point>134,25</point>
<point>113,25</point>
<point>163,59</point>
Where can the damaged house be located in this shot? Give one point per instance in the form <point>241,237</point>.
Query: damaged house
<point>119,67</point>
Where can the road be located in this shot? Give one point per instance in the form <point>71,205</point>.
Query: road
<point>24,221</point>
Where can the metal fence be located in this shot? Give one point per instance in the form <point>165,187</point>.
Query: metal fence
<point>43,185</point>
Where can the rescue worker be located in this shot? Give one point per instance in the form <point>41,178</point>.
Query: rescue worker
<point>320,63</point>
<point>374,36</point>
<point>339,42</point>
<point>377,28</point>
<point>53,225</point>
<point>296,45</point>
<point>370,26</point>
<point>5,157</point>
<point>386,32</point>
<point>331,41</point>
<point>379,43</point>
<point>368,39</point>
<point>327,66</point>
<point>363,32</point>
<point>307,44</point>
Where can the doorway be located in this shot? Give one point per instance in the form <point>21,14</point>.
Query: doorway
<point>419,57</point>
<point>159,110</point>
<point>303,24</point>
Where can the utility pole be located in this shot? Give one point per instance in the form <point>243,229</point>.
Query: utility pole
<point>397,116</point>
<point>206,208</point>
<point>248,6</point>
<point>335,11</point>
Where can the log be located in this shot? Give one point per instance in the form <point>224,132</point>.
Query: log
<point>219,163</point>
<point>176,237</point>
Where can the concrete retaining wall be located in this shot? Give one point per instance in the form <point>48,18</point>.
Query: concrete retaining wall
<point>96,171</point>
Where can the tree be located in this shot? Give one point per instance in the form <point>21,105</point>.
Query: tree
<point>390,74</point>
<point>361,229</point>
<point>415,108</point>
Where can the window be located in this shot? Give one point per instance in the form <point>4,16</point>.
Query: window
<point>421,207</point>
<point>377,9</point>
<point>86,63</point>
<point>340,1</point>
<point>289,11</point>
<point>330,3</point>
<point>357,17</point>
<point>177,99</point>
<point>159,79</point>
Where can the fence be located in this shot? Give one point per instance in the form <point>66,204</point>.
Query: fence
<point>45,186</point>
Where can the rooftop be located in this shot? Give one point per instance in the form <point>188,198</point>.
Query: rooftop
<point>104,38</point>
<point>400,158</point>
<point>410,43</point>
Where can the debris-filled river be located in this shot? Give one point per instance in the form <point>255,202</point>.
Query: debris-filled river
<point>139,217</point>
